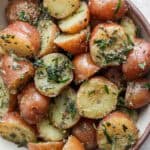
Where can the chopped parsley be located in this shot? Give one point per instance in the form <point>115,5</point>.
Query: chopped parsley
<point>142,65</point>
<point>23,16</point>
<point>106,89</point>
<point>71,109</point>
<point>147,86</point>
<point>118,6</point>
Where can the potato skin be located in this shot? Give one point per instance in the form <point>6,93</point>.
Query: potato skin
<point>107,9</point>
<point>46,146</point>
<point>23,10</point>
<point>21,38</point>
<point>73,144</point>
<point>119,126</point>
<point>84,67</point>
<point>86,133</point>
<point>33,106</point>
<point>138,62</point>
<point>137,94</point>
<point>16,72</point>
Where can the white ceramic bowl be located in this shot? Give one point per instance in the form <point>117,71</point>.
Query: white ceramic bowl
<point>144,116</point>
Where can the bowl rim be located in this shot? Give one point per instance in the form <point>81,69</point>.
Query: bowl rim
<point>146,25</point>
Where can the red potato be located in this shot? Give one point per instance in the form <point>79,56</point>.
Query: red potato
<point>15,72</point>
<point>84,67</point>
<point>21,38</point>
<point>138,61</point>
<point>15,129</point>
<point>86,133</point>
<point>116,131</point>
<point>33,106</point>
<point>23,10</point>
<point>73,144</point>
<point>138,93</point>
<point>108,9</point>
<point>46,146</point>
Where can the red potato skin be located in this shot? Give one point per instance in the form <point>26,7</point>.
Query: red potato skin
<point>86,133</point>
<point>29,7</point>
<point>46,146</point>
<point>84,67</point>
<point>11,76</point>
<point>105,9</point>
<point>140,55</point>
<point>33,106</point>
<point>137,95</point>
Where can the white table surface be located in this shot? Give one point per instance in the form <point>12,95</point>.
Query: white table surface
<point>144,6</point>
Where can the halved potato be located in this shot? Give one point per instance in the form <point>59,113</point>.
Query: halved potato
<point>74,43</point>
<point>129,27</point>
<point>15,129</point>
<point>84,67</point>
<point>108,9</point>
<point>117,131</point>
<point>97,97</point>
<point>46,146</point>
<point>7,101</point>
<point>16,71</point>
<point>21,38</point>
<point>73,144</point>
<point>48,32</point>
<point>138,93</point>
<point>50,133</point>
<point>64,113</point>
<point>76,22</point>
<point>61,8</point>
<point>53,74</point>
<point>109,45</point>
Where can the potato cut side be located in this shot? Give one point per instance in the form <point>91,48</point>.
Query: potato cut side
<point>76,22</point>
<point>96,98</point>
<point>53,74</point>
<point>61,8</point>
<point>64,113</point>
<point>46,146</point>
<point>4,98</point>
<point>109,45</point>
<point>116,131</point>
<point>129,27</point>
<point>50,133</point>
<point>14,129</point>
<point>74,43</point>
<point>48,32</point>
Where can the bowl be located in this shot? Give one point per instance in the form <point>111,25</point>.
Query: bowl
<point>143,122</point>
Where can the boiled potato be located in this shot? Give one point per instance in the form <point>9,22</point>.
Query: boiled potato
<point>86,133</point>
<point>33,106</point>
<point>74,43</point>
<point>138,62</point>
<point>129,27</point>
<point>61,8</point>
<point>46,146</point>
<point>138,93</point>
<point>76,22</point>
<point>48,32</point>
<point>117,131</point>
<point>84,67</point>
<point>23,10</point>
<point>97,97</point>
<point>16,71</point>
<point>115,75</point>
<point>15,129</point>
<point>53,74</point>
<point>108,45</point>
<point>108,9</point>
<point>73,144</point>
<point>21,38</point>
<point>50,133</point>
<point>7,101</point>
<point>63,112</point>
